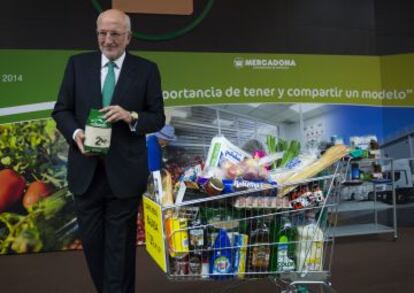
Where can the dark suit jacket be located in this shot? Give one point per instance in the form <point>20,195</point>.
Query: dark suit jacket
<point>138,89</point>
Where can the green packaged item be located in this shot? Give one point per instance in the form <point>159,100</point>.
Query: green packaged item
<point>97,133</point>
<point>357,153</point>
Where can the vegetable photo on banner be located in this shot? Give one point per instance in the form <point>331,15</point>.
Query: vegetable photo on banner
<point>32,187</point>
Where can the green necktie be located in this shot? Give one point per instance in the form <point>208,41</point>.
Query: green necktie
<point>109,84</point>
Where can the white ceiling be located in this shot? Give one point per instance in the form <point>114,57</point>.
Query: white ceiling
<point>274,114</point>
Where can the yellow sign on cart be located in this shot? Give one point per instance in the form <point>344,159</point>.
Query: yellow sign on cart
<point>154,240</point>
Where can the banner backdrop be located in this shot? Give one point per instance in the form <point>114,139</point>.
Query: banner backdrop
<point>32,77</point>
<point>247,97</point>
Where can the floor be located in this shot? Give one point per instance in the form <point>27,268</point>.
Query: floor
<point>365,264</point>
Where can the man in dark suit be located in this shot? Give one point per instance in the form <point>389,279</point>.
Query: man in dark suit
<point>107,189</point>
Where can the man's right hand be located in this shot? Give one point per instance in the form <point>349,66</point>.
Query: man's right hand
<point>80,139</point>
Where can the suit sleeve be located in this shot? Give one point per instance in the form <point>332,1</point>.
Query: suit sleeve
<point>64,110</point>
<point>153,118</point>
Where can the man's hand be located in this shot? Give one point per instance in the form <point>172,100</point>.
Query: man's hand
<point>116,113</point>
<point>80,139</point>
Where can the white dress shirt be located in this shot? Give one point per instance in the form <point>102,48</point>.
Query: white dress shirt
<point>104,71</point>
<point>117,68</point>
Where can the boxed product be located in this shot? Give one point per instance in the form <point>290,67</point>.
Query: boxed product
<point>97,133</point>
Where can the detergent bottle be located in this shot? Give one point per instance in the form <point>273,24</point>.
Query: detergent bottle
<point>309,251</point>
<point>221,261</point>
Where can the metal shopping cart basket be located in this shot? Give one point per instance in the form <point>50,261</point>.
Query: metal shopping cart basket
<point>250,233</point>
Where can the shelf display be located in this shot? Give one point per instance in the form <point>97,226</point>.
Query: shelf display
<point>360,195</point>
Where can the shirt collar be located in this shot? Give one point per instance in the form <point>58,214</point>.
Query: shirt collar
<point>118,62</point>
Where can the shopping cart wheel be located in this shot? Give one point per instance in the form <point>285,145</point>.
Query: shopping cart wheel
<point>296,289</point>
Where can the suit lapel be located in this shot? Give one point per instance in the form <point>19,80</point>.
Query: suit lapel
<point>95,82</point>
<point>125,79</point>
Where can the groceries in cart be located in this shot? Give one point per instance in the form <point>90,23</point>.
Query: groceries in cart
<point>230,170</point>
<point>220,242</point>
<point>250,215</point>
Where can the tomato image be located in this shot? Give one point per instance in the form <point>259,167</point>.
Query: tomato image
<point>36,191</point>
<point>11,188</point>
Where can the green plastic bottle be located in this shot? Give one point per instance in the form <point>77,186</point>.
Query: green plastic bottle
<point>274,232</point>
<point>285,249</point>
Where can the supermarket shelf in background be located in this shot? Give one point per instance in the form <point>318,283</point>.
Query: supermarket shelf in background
<point>360,229</point>
<point>353,206</point>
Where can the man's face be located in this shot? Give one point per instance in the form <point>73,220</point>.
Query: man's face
<point>113,35</point>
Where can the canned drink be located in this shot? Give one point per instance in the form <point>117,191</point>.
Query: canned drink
<point>196,238</point>
<point>180,265</point>
<point>195,264</point>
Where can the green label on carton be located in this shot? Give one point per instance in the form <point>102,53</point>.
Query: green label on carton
<point>97,133</point>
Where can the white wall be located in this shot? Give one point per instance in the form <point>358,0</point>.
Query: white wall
<point>399,149</point>
<point>320,129</point>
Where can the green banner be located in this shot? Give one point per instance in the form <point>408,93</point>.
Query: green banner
<point>36,209</point>
<point>397,73</point>
<point>30,79</point>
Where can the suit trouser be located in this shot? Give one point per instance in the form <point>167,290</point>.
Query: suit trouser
<point>108,229</point>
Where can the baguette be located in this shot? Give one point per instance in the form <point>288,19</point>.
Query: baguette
<point>167,187</point>
<point>332,155</point>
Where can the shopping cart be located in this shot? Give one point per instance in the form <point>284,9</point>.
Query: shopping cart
<point>250,233</point>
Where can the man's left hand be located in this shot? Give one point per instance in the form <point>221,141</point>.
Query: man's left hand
<point>116,113</point>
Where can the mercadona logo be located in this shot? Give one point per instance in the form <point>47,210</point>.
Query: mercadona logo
<point>263,63</point>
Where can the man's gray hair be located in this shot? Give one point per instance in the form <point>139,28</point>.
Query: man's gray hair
<point>127,21</point>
